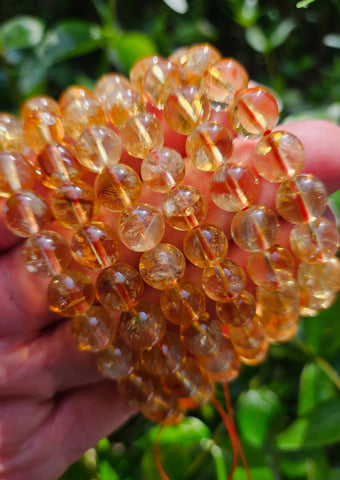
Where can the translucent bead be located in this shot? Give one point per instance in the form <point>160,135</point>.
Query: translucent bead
<point>253,112</point>
<point>224,282</point>
<point>278,156</point>
<point>198,59</point>
<point>250,342</point>
<point>162,266</point>
<point>70,293</point>
<point>139,69</point>
<point>233,187</point>
<point>143,326</point>
<point>46,253</point>
<point>74,204</point>
<point>57,165</point>
<point>11,133</point>
<point>98,147</point>
<point>222,80</point>
<point>160,407</point>
<point>209,145</point>
<point>141,227</point>
<point>185,108</point>
<point>279,300</point>
<point>119,287</point>
<point>320,279</point>
<point>41,128</point>
<point>186,380</point>
<point>205,245</point>
<point>25,213</point>
<point>165,357</point>
<point>95,245</point>
<point>116,361</point>
<point>238,312</point>
<point>121,104</point>
<point>118,187</point>
<point>316,241</point>
<point>94,330</point>
<point>162,169</point>
<point>301,199</point>
<point>137,387</point>
<point>141,133</point>
<point>39,103</point>
<point>184,207</point>
<point>184,303</point>
<point>108,84</point>
<point>311,305</point>
<point>255,229</point>
<point>280,328</point>
<point>16,173</point>
<point>271,268</point>
<point>203,336</point>
<point>200,396</point>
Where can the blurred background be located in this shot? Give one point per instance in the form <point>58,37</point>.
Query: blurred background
<point>288,409</point>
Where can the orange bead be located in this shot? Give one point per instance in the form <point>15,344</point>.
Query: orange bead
<point>310,305</point>
<point>139,69</point>
<point>57,165</point>
<point>271,268</point>
<point>280,327</point>
<point>39,103</point>
<point>137,387</point>
<point>162,169</point>
<point>185,381</point>
<point>16,173</point>
<point>224,282</point>
<point>165,357</point>
<point>41,128</point>
<point>179,55</point>
<point>320,279</point>
<point>116,361</point>
<point>11,133</point>
<point>279,300</point>
<point>205,245</point>
<point>238,312</point>
<point>198,59</point>
<point>108,84</point>
<point>200,396</point>
<point>250,342</point>
<point>121,104</point>
<point>141,133</point>
<point>203,336</point>
<point>159,407</point>
<point>184,207</point>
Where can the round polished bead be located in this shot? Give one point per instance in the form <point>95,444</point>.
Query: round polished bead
<point>116,361</point>
<point>280,327</point>
<point>95,245</point>
<point>165,357</point>
<point>41,128</point>
<point>253,112</point>
<point>139,69</point>
<point>46,253</point>
<point>121,104</point>
<point>279,300</point>
<point>11,133</point>
<point>57,165</point>
<point>271,268</point>
<point>108,84</point>
<point>238,312</point>
<point>141,227</point>
<point>203,336</point>
<point>162,266</point>
<point>184,207</point>
<point>233,187</point>
<point>119,287</point>
<point>224,282</point>
<point>70,293</point>
<point>39,103</point>
<point>310,305</point>
<point>301,199</point>
<point>197,59</point>
<point>250,342</point>
<point>159,407</point>
<point>320,279</point>
<point>186,380</point>
<point>278,156</point>
<point>141,133</point>
<point>201,396</point>
<point>136,388</point>
<point>254,229</point>
<point>205,245</point>
<point>162,169</point>
<point>16,173</point>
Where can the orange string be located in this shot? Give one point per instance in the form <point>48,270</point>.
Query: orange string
<point>158,455</point>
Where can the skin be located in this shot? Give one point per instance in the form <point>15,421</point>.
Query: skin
<point>53,403</point>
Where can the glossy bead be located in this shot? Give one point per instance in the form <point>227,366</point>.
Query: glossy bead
<point>165,357</point>
<point>310,305</point>
<point>184,303</point>
<point>116,361</point>
<point>94,330</point>
<point>233,187</point>
<point>141,227</point>
<point>118,187</point>
<point>271,268</point>
<point>95,245</point>
<point>39,103</point>
<point>279,300</point>
<point>254,229</point>
<point>184,207</point>
<point>200,396</point>
<point>162,169</point>
<point>16,173</point>
<point>139,69</point>
<point>253,112</point>
<point>119,287</point>
<point>250,342</point>
<point>159,407</point>
<point>121,104</point>
<point>137,387</point>
<point>320,278</point>
<point>57,165</point>
<point>46,253</point>
<point>209,145</point>
<point>25,213</point>
<point>224,282</point>
<point>162,266</point>
<point>316,241</point>
<point>185,108</point>
<point>280,328</point>
<point>278,156</point>
<point>11,133</point>
<point>238,312</point>
<point>141,133</point>
<point>70,293</point>
<point>186,380</point>
<point>301,199</point>
<point>108,84</point>
<point>74,204</point>
<point>42,128</point>
<point>203,336</point>
<point>205,245</point>
<point>198,59</point>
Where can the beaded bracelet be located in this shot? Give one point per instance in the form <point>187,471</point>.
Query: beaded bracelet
<point>166,355</point>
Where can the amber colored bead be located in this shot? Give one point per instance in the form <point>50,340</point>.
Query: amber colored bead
<point>316,241</point>
<point>95,329</point>
<point>116,361</point>
<point>70,293</point>
<point>108,84</point>
<point>209,145</point>
<point>141,133</point>
<point>95,245</point>
<point>74,204</point>
<point>203,336</point>
<point>162,266</point>
<point>205,245</point>
<point>278,156</point>
<point>186,380</point>
<point>136,388</point>
<point>224,282</point>
<point>46,253</point>
<point>250,342</point>
<point>200,396</point>
<point>16,173</point>
<point>98,147</point>
<point>310,305</point>
<point>233,187</point>
<point>57,165</point>
<point>254,229</point>
<point>238,312</point>
<point>118,187</point>
<point>222,80</point>
<point>143,326</point>
<point>271,268</point>
<point>141,227</point>
<point>280,327</point>
<point>39,103</point>
<point>198,59</point>
<point>121,104</point>
<point>42,128</point>
<point>11,133</point>
<point>253,112</point>
<point>25,213</point>
<point>119,287</point>
<point>162,169</point>
<point>159,407</point>
<point>184,207</point>
<point>279,300</point>
<point>184,303</point>
<point>139,69</point>
<point>165,357</point>
<point>185,108</point>
<point>320,279</point>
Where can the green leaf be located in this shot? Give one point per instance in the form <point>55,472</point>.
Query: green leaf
<point>304,3</point>
<point>263,473</point>
<point>315,387</point>
<point>32,76</point>
<point>106,471</point>
<point>21,32</point>
<point>281,33</point>
<point>132,46</point>
<point>332,40</point>
<point>257,39</point>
